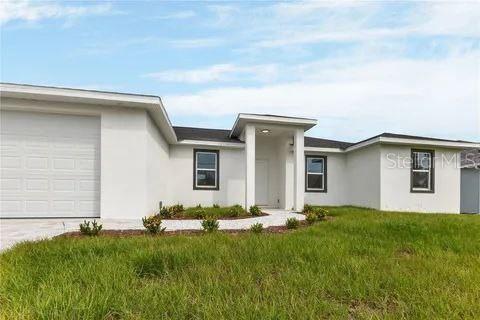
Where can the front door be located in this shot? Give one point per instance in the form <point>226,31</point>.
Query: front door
<point>261,182</point>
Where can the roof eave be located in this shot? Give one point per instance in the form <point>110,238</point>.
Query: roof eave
<point>458,145</point>
<point>153,104</point>
<point>244,118</point>
<point>208,143</point>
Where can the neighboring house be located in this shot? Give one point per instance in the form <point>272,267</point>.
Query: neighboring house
<point>470,181</point>
<point>83,153</point>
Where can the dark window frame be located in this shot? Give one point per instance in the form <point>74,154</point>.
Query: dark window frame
<point>217,171</point>
<point>325,173</point>
<point>432,171</point>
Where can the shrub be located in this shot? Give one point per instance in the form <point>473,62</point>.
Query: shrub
<point>165,212</point>
<point>292,223</point>
<point>210,224</point>
<point>199,213</point>
<point>256,227</point>
<point>311,217</point>
<point>216,206</point>
<point>235,210</point>
<point>88,230</point>
<point>199,206</point>
<point>153,224</point>
<point>307,208</point>
<point>255,211</point>
<point>321,213</point>
<point>176,209</point>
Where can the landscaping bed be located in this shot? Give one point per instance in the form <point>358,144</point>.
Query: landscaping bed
<point>142,232</point>
<point>177,212</point>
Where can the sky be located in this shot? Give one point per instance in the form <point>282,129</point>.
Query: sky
<point>360,67</point>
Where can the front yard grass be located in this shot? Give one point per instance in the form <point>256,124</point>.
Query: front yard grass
<point>361,264</point>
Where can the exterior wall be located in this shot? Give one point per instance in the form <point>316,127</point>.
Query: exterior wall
<point>395,182</point>
<point>337,182</point>
<point>158,167</point>
<point>123,173</point>
<point>232,178</point>
<point>363,172</point>
<point>470,190</point>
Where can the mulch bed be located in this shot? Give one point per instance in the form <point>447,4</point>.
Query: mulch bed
<point>137,232</point>
<point>219,218</point>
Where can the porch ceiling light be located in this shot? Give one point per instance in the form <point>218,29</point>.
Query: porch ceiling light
<point>265,131</point>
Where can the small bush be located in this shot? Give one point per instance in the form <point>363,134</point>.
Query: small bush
<point>255,211</point>
<point>199,213</point>
<point>235,210</point>
<point>292,223</point>
<point>210,224</point>
<point>216,206</point>
<point>88,230</point>
<point>165,212</point>
<point>321,213</point>
<point>176,209</point>
<point>153,224</point>
<point>311,217</point>
<point>256,227</point>
<point>307,208</point>
<point>199,206</point>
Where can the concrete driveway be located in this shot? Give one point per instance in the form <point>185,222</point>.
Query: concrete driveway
<point>13,231</point>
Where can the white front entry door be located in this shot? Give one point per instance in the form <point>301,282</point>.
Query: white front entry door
<point>50,165</point>
<point>261,182</point>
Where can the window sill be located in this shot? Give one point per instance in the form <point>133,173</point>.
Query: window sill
<point>207,189</point>
<point>422,191</point>
<point>316,191</point>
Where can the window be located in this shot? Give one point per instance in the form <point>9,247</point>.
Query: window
<point>422,175</point>
<point>316,174</point>
<point>205,169</point>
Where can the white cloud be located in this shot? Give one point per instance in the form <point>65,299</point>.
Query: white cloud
<point>303,8</point>
<point>31,11</point>
<point>178,15</point>
<point>196,43</point>
<point>217,73</point>
<point>451,18</point>
<point>224,14</point>
<point>313,22</point>
<point>430,97</point>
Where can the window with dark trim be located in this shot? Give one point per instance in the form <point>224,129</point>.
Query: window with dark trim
<point>315,174</point>
<point>206,164</point>
<point>422,172</point>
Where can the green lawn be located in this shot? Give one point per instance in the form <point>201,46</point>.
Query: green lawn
<point>361,264</point>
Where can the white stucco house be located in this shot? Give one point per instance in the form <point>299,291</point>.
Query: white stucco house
<point>82,153</point>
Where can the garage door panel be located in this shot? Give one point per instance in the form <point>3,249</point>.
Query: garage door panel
<point>55,173</point>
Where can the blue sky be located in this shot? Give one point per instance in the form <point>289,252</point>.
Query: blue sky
<point>360,68</point>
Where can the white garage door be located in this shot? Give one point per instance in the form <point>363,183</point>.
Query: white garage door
<point>50,165</point>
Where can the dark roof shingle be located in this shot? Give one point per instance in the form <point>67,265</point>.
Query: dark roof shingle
<point>223,135</point>
<point>324,143</point>
<point>218,135</point>
<point>405,136</point>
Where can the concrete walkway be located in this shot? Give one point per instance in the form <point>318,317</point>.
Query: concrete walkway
<point>13,231</point>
